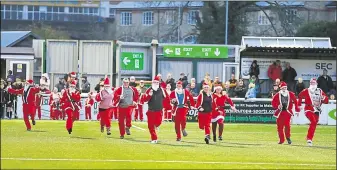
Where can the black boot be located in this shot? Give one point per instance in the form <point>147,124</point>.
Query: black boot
<point>108,132</point>
<point>289,141</point>
<point>127,130</point>
<point>214,138</point>
<point>70,130</point>
<point>121,137</point>
<point>184,133</point>
<point>33,122</point>
<point>207,138</point>
<point>220,138</point>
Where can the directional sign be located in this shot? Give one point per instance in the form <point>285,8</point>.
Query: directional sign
<point>195,52</point>
<point>132,61</point>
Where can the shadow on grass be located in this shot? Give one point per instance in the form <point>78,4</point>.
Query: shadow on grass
<point>218,144</point>
<point>136,140</point>
<point>318,147</point>
<point>79,137</point>
<point>38,131</point>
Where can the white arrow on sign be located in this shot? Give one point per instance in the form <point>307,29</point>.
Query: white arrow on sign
<point>217,52</point>
<point>168,51</point>
<point>126,61</point>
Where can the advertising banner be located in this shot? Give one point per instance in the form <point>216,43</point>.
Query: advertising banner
<point>306,69</point>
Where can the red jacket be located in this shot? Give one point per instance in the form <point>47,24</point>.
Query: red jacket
<point>306,95</point>
<point>28,95</point>
<point>68,104</point>
<point>119,92</point>
<point>38,100</point>
<point>220,101</point>
<point>274,72</point>
<point>187,97</point>
<point>276,101</point>
<point>89,102</point>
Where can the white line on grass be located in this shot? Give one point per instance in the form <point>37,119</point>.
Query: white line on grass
<point>163,161</point>
<point>138,127</point>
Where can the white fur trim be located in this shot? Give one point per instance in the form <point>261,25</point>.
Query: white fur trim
<point>217,118</point>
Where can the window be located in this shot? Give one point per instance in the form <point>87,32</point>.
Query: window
<point>148,18</point>
<point>192,17</point>
<point>112,13</point>
<point>127,39</point>
<point>33,12</point>
<point>82,13</point>
<point>291,15</point>
<point>170,17</point>
<point>262,18</point>
<point>191,39</point>
<point>126,18</point>
<point>11,12</point>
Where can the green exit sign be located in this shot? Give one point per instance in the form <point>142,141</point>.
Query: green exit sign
<point>195,52</point>
<point>132,61</point>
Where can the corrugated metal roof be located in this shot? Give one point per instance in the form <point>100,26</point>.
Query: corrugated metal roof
<point>284,3</point>
<point>173,4</point>
<point>9,38</point>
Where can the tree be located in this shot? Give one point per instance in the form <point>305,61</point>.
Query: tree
<point>319,29</point>
<point>47,32</point>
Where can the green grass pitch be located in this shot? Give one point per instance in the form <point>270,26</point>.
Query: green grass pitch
<point>49,145</point>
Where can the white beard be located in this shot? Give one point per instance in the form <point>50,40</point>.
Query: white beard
<point>179,91</point>
<point>155,87</point>
<point>71,90</point>
<point>312,88</point>
<point>109,90</point>
<point>284,93</point>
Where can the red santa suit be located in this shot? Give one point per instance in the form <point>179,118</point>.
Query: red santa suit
<point>218,113</point>
<point>139,109</point>
<point>54,102</point>
<point>125,99</point>
<point>168,107</point>
<point>70,99</point>
<point>283,103</point>
<point>105,97</point>
<point>313,99</point>
<point>182,100</point>
<point>63,112</point>
<point>155,97</point>
<point>88,104</point>
<point>28,98</point>
<point>38,99</point>
<point>205,106</point>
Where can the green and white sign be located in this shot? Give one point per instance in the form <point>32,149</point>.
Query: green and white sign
<point>132,61</point>
<point>195,52</point>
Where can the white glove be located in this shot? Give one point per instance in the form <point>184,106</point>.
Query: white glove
<point>280,107</point>
<point>201,109</point>
<point>151,92</point>
<point>122,97</point>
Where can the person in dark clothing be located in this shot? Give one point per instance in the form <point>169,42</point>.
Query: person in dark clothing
<point>254,69</point>
<point>10,99</point>
<point>193,90</point>
<point>288,76</point>
<point>171,81</point>
<point>11,76</point>
<point>85,86</point>
<point>99,85</point>
<point>274,91</point>
<point>325,82</point>
<point>299,86</point>
<point>183,79</point>
<point>60,85</point>
<point>133,81</point>
<point>240,90</point>
<point>3,102</point>
<point>16,85</point>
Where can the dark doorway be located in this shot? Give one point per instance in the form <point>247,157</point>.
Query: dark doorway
<point>3,69</point>
<point>20,71</point>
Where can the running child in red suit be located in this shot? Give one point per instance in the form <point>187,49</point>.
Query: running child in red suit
<point>88,104</point>
<point>125,99</point>
<point>28,98</point>
<point>168,105</point>
<point>283,102</point>
<point>105,97</point>
<point>139,109</point>
<point>182,101</point>
<point>54,102</point>
<point>205,106</point>
<point>70,99</point>
<point>155,97</point>
<point>313,98</point>
<point>38,99</point>
<point>218,113</point>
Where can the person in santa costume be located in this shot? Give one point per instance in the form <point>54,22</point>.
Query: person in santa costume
<point>54,102</point>
<point>283,102</point>
<point>168,106</point>
<point>105,97</point>
<point>139,108</point>
<point>205,106</point>
<point>28,98</point>
<point>313,99</point>
<point>70,100</point>
<point>88,104</point>
<point>218,113</point>
<point>182,101</point>
<point>38,100</point>
<point>125,99</point>
<point>155,96</point>
<point>63,112</point>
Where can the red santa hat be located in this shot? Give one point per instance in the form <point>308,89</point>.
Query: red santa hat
<point>205,84</point>
<point>73,83</point>
<point>29,81</point>
<point>217,86</point>
<point>106,82</point>
<point>283,84</point>
<point>73,74</point>
<point>156,79</point>
<point>179,83</point>
<point>313,81</point>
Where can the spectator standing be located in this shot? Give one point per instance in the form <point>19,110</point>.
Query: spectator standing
<point>227,90</point>
<point>288,76</point>
<point>194,90</point>
<point>275,71</point>
<point>233,82</point>
<point>183,79</point>
<point>256,85</point>
<point>207,79</point>
<point>325,82</point>
<point>251,93</point>
<point>60,85</point>
<point>133,81</point>
<point>274,91</point>
<point>171,81</point>
<point>100,85</point>
<point>44,81</point>
<point>299,86</point>
<point>3,102</point>
<point>254,69</point>
<point>11,76</point>
<point>85,86</point>
<point>188,87</point>
<point>240,90</point>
